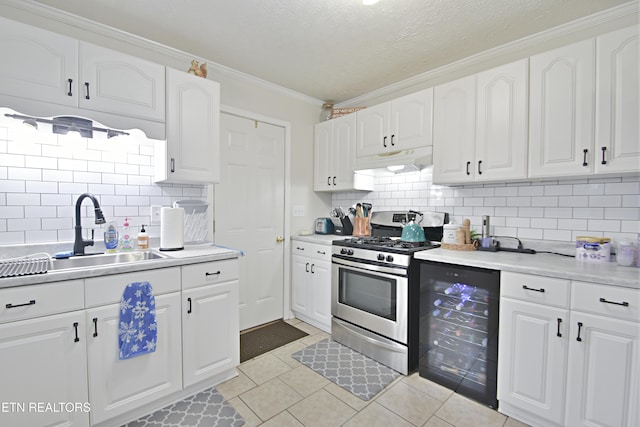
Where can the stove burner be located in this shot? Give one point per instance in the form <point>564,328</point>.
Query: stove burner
<point>386,242</point>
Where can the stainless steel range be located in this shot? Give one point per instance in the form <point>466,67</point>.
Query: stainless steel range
<point>375,289</point>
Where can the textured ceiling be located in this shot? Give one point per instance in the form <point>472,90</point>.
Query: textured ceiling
<point>332,50</point>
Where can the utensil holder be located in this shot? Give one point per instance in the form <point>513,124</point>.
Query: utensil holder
<point>347,227</point>
<point>361,226</point>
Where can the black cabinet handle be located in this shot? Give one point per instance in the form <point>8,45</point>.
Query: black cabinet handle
<point>299,248</point>
<point>95,327</point>
<point>321,252</point>
<point>306,267</point>
<point>623,303</point>
<point>217,273</point>
<point>384,142</point>
<point>312,272</point>
<point>328,180</point>
<point>173,164</point>
<point>558,334</point>
<point>334,180</point>
<point>75,327</point>
<point>479,167</point>
<point>190,307</point>
<point>468,164</point>
<point>32,302</point>
<point>392,143</point>
<point>579,329</point>
<point>604,150</point>
<point>86,85</point>
<point>541,290</point>
<point>584,159</point>
<point>70,83</point>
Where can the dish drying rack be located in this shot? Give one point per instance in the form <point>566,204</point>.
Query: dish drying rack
<point>195,220</point>
<point>25,266</point>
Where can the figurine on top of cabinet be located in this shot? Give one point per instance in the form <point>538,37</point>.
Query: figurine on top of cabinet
<point>198,70</point>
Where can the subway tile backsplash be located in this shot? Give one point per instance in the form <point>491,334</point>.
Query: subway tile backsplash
<point>42,174</point>
<point>556,210</point>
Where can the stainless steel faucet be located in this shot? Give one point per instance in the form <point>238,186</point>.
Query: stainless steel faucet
<point>79,243</point>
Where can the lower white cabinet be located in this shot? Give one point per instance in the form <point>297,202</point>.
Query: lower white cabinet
<point>311,283</point>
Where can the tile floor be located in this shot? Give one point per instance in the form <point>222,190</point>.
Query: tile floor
<point>276,390</point>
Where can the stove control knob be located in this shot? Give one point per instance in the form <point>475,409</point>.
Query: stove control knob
<point>343,251</point>
<point>380,257</point>
<point>389,258</point>
<point>350,252</point>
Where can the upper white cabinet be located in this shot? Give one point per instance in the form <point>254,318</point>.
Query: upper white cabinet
<point>192,150</point>
<point>48,67</point>
<point>400,124</point>
<point>334,156</point>
<point>480,126</point>
<point>617,145</point>
<point>561,124</point>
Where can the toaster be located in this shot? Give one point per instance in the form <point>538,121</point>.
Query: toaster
<point>324,226</point>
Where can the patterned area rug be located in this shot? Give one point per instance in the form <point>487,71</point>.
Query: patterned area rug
<point>351,370</point>
<point>205,409</point>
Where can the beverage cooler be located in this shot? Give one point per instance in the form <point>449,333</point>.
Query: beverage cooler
<point>458,345</point>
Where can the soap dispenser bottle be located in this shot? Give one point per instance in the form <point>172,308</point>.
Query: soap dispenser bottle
<point>126,240</point>
<point>143,239</point>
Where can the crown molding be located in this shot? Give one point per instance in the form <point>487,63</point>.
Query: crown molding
<point>625,11</point>
<point>66,18</point>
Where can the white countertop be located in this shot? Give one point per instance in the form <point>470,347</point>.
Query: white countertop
<point>322,239</point>
<point>539,264</point>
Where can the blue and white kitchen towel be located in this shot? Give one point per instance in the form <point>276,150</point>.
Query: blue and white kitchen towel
<point>138,328</point>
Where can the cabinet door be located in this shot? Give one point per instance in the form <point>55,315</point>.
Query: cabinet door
<point>38,64</point>
<point>617,111</point>
<point>300,284</point>
<point>322,156</point>
<point>603,379</point>
<point>193,128</point>
<point>118,386</point>
<point>210,331</point>
<point>561,111</point>
<point>454,131</point>
<point>344,152</point>
<point>502,117</point>
<point>41,363</point>
<point>411,121</point>
<point>117,83</point>
<point>373,130</point>
<point>532,358</point>
<point>320,304</point>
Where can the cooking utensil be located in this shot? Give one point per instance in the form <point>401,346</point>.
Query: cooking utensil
<point>412,232</point>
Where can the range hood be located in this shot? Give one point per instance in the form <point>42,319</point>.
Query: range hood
<point>411,160</point>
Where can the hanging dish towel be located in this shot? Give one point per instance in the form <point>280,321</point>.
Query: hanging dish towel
<point>138,328</point>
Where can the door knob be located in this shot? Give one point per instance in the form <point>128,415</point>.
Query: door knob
<point>279,239</point>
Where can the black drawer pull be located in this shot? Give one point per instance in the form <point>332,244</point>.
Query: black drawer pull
<point>95,327</point>
<point>604,151</point>
<point>190,307</point>
<point>70,82</point>
<point>541,290</point>
<point>217,273</point>
<point>75,326</point>
<point>584,159</point>
<point>32,302</point>
<point>623,303</point>
<point>558,334</point>
<point>579,329</point>
<point>86,85</point>
<point>322,252</point>
<point>299,248</point>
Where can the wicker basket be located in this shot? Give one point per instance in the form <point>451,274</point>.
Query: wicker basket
<point>467,247</point>
<point>339,112</point>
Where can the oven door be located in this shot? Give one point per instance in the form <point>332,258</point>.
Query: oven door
<point>373,299</point>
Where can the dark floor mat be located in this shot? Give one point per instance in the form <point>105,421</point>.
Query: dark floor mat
<point>266,338</point>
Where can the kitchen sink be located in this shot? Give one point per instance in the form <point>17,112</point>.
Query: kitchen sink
<point>103,259</point>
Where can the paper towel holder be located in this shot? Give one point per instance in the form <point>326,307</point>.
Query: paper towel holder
<point>171,229</point>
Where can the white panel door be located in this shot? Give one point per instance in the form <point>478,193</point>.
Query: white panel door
<point>411,121</point>
<point>249,213</point>
<point>323,156</point>
<point>321,292</point>
<point>343,152</point>
<point>373,130</point>
<point>617,110</point>
<point>561,105</point>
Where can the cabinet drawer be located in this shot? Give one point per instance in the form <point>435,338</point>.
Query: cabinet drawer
<point>108,289</point>
<point>312,250</point>
<point>25,302</point>
<point>209,273</point>
<point>538,289</point>
<point>610,301</point>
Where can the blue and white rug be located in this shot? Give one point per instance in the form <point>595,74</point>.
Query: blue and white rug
<point>355,372</point>
<point>205,409</point>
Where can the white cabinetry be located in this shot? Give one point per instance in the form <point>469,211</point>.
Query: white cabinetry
<point>43,355</point>
<point>561,125</point>
<point>480,126</point>
<point>192,150</point>
<point>311,283</point>
<point>335,155</point>
<point>617,106</point>
<point>210,319</point>
<point>118,386</point>
<point>401,124</point>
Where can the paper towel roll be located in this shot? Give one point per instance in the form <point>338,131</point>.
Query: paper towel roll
<point>171,229</point>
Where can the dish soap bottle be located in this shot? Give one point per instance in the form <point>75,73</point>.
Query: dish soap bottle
<point>111,238</point>
<point>143,239</point>
<point>126,242</point>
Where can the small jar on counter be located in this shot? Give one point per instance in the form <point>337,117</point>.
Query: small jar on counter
<point>626,253</point>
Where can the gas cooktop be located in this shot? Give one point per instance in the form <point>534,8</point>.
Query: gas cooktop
<point>385,243</point>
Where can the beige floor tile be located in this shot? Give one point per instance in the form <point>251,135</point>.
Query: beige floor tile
<point>250,419</point>
<point>312,339</point>
<point>514,423</point>
<point>264,368</point>
<point>429,387</point>
<point>304,380</point>
<point>409,403</point>
<point>437,422</point>
<point>235,386</point>
<point>283,419</point>
<point>271,398</point>
<point>376,415</point>
<point>284,353</point>
<point>463,412</point>
<point>346,396</point>
<point>293,321</point>
<point>311,330</point>
<point>322,409</point>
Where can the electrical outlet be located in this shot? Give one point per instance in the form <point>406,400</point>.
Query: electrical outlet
<point>155,214</point>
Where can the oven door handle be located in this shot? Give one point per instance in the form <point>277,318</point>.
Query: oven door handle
<point>370,339</point>
<point>359,265</point>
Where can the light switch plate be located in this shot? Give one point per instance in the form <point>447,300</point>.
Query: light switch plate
<point>298,210</point>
